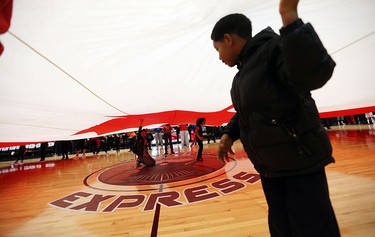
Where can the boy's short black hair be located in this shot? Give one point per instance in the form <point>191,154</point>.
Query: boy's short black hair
<point>234,23</point>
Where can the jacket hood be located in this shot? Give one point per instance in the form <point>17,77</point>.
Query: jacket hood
<point>254,43</point>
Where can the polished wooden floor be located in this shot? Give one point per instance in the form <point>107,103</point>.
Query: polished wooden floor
<point>109,196</point>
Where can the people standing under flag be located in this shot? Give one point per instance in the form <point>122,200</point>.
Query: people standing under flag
<point>167,130</point>
<point>80,145</point>
<point>158,135</point>
<point>43,151</point>
<point>184,133</point>
<point>21,155</point>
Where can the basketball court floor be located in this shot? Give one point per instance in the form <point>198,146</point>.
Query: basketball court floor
<point>109,196</point>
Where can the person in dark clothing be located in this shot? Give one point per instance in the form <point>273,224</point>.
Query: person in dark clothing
<point>94,145</point>
<point>326,122</point>
<point>21,155</point>
<point>277,119</point>
<point>177,129</point>
<point>190,129</point>
<point>167,130</point>
<point>142,149</point>
<point>66,146</point>
<point>104,144</point>
<point>117,143</point>
<point>80,145</point>
<point>132,141</point>
<point>125,139</point>
<point>43,151</point>
<point>211,134</point>
<point>192,139</point>
<point>149,138</point>
<point>198,131</point>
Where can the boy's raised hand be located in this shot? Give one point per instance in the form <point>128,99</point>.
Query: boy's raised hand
<point>288,11</point>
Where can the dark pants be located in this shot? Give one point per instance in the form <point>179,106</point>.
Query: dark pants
<point>200,150</point>
<point>168,141</point>
<point>43,154</point>
<point>65,148</point>
<point>300,206</point>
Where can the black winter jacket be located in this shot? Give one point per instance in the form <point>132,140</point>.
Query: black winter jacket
<point>277,119</point>
<point>141,143</point>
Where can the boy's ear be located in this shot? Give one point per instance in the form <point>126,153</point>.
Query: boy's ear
<point>228,39</point>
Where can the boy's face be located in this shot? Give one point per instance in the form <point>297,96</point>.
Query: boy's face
<point>227,53</point>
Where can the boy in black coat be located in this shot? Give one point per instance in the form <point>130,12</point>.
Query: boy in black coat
<point>277,119</point>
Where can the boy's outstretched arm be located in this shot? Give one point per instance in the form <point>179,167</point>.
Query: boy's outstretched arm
<point>288,11</point>
<point>307,64</point>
